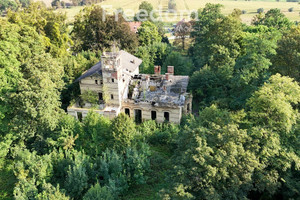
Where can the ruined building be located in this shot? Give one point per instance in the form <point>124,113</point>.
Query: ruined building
<point>115,85</point>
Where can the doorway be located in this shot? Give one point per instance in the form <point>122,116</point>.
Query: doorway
<point>167,116</point>
<point>100,97</point>
<point>79,116</point>
<point>153,115</point>
<point>127,111</point>
<point>138,116</point>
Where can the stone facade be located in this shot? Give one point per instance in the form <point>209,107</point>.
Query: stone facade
<point>120,88</point>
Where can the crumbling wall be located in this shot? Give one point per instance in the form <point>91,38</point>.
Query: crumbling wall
<point>93,83</point>
<point>188,104</point>
<point>175,113</point>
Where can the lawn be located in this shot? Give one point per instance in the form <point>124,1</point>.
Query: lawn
<point>249,6</point>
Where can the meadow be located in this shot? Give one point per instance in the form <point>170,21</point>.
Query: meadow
<point>131,6</point>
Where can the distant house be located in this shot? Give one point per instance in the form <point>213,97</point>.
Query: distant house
<point>182,23</point>
<point>119,87</point>
<point>134,26</point>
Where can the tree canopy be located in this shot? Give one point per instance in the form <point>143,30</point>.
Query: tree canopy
<point>148,34</point>
<point>93,30</point>
<point>146,12</point>
<point>51,25</point>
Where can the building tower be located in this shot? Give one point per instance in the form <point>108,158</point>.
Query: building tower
<point>112,72</point>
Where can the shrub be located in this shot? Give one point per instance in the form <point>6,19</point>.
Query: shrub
<point>182,65</point>
<point>160,137</point>
<point>89,96</point>
<point>137,163</point>
<point>244,11</point>
<point>98,192</point>
<point>260,10</point>
<point>123,131</point>
<point>291,9</point>
<point>4,147</point>
<point>76,181</point>
<point>51,192</point>
<point>111,172</point>
<point>164,135</point>
<point>147,128</point>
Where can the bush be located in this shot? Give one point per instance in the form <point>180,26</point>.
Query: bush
<point>76,181</point>
<point>137,164</point>
<point>94,137</point>
<point>182,65</point>
<point>260,10</point>
<point>160,137</point>
<point>147,128</point>
<point>244,11</point>
<point>123,131</point>
<point>164,135</point>
<point>89,96</point>
<point>51,192</point>
<point>291,9</point>
<point>98,192</point>
<point>4,148</point>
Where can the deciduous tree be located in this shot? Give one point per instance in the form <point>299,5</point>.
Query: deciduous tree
<point>252,67</point>
<point>182,31</point>
<point>182,65</point>
<point>145,13</point>
<point>95,30</point>
<point>32,80</point>
<point>287,59</point>
<point>213,28</point>
<point>51,25</point>
<point>272,105</point>
<point>123,131</point>
<point>98,192</point>
<point>148,34</point>
<point>273,18</point>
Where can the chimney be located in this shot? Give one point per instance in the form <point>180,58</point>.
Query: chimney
<point>167,76</point>
<point>157,70</point>
<point>164,88</point>
<point>171,70</point>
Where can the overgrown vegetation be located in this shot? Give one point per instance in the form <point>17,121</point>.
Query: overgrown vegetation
<point>90,97</point>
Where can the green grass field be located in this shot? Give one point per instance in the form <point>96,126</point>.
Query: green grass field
<point>249,6</point>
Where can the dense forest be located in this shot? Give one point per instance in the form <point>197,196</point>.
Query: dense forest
<point>242,141</point>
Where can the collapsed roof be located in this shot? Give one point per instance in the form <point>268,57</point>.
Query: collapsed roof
<point>159,90</point>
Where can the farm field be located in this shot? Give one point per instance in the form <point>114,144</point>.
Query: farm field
<point>131,6</point>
